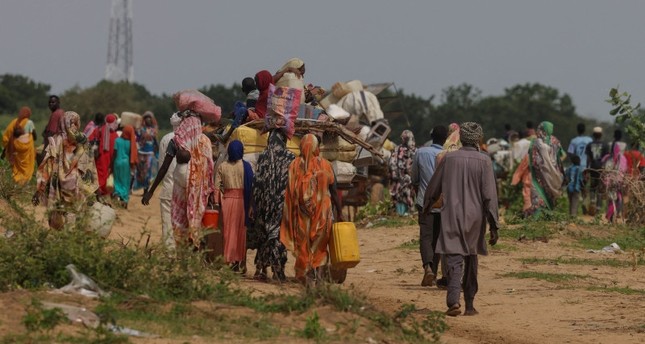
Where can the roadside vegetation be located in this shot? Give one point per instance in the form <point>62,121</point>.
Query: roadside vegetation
<point>152,291</point>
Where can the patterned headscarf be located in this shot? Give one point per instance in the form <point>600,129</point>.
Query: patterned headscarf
<point>407,139</point>
<point>70,125</point>
<point>471,134</point>
<point>545,130</point>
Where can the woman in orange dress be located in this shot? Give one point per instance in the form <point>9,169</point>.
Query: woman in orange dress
<point>307,220</point>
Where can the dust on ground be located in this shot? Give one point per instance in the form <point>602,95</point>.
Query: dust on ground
<point>588,309</point>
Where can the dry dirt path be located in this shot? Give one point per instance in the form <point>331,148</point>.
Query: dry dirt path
<point>511,310</point>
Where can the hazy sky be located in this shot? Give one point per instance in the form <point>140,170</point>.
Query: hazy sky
<point>579,47</point>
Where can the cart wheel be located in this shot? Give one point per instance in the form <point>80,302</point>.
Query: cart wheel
<point>337,275</point>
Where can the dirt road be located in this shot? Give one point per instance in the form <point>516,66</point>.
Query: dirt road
<point>586,302</point>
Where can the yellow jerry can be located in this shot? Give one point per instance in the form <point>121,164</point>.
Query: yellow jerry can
<point>343,246</point>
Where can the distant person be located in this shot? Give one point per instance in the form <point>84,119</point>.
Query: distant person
<point>520,147</point>
<point>613,175</point>
<point>576,184</point>
<point>148,152</point>
<point>400,166</point>
<point>251,91</point>
<point>465,177</point>
<point>508,132</point>
<point>263,79</point>
<point>618,136</point>
<point>167,185</point>
<point>530,131</point>
<point>293,69</point>
<point>66,177</point>
<point>19,150</point>
<point>98,121</point>
<point>579,144</point>
<point>423,167</point>
<point>125,162</point>
<point>54,119</point>
<point>595,151</point>
<point>104,137</point>
<point>541,172</point>
<point>635,161</point>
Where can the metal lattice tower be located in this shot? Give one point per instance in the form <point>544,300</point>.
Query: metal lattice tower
<point>119,59</point>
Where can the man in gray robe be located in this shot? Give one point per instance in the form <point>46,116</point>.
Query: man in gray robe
<point>469,199</point>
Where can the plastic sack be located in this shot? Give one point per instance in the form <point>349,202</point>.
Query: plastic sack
<point>102,218</point>
<point>196,101</point>
<point>81,284</point>
<point>363,104</point>
<point>283,104</point>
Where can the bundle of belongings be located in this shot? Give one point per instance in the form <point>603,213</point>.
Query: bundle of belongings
<point>348,104</point>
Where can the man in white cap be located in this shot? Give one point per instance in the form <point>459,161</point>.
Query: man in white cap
<point>165,198</point>
<point>595,151</point>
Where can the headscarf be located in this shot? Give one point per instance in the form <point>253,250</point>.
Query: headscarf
<point>293,63</point>
<point>109,126</point>
<point>70,127</point>
<point>263,80</point>
<point>471,134</point>
<point>128,134</point>
<point>309,151</point>
<point>545,164</point>
<point>235,153</point>
<point>407,139</point>
<point>545,130</point>
<point>25,112</point>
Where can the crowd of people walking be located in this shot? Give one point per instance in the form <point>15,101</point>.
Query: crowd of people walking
<point>288,202</point>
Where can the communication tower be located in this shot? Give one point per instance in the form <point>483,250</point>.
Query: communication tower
<point>119,58</point>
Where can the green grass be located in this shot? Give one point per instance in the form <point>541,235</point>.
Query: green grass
<point>620,290</point>
<point>580,261</point>
<point>546,276</point>
<point>626,238</point>
<point>504,247</point>
<point>528,230</point>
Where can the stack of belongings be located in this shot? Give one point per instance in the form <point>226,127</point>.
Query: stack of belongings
<point>362,115</point>
<point>337,150</point>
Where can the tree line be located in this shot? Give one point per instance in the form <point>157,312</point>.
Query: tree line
<point>518,104</point>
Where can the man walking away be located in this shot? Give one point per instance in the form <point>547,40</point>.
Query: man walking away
<point>595,151</point>
<point>465,177</point>
<point>579,144</point>
<point>423,167</point>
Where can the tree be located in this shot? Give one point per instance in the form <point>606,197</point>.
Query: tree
<point>19,90</point>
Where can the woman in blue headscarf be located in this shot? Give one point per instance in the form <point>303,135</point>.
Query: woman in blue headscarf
<point>233,185</point>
